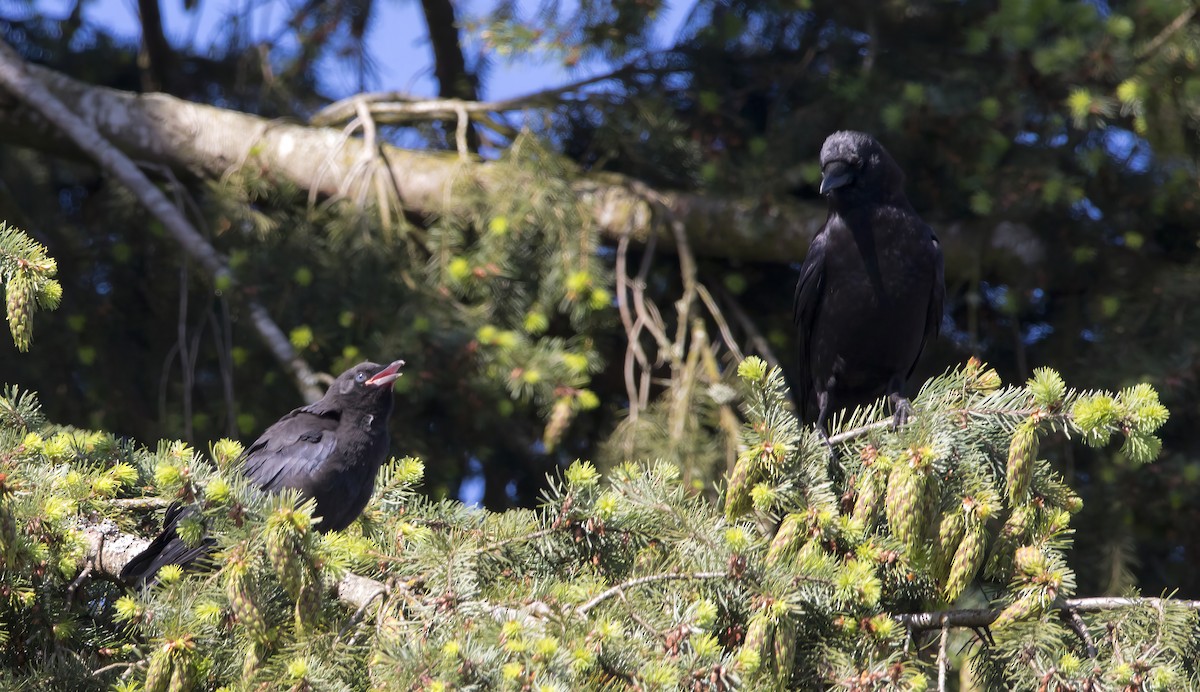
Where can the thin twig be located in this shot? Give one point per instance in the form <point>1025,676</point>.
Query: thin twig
<point>648,579</point>
<point>515,539</point>
<point>1075,621</point>
<point>860,431</point>
<point>756,338</point>
<point>82,577</point>
<point>943,659</point>
<point>722,325</point>
<point>1156,42</point>
<point>395,107</point>
<point>113,666</point>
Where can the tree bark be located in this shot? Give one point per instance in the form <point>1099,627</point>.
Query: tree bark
<point>155,57</point>
<point>449,63</point>
<point>200,141</point>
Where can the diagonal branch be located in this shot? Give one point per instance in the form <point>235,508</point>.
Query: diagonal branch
<point>18,81</point>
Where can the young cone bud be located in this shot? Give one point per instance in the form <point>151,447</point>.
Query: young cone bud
<point>904,504</point>
<point>282,552</point>
<point>785,651</point>
<point>254,658</point>
<point>1021,453</point>
<point>950,533</point>
<point>308,604</point>
<point>20,298</point>
<point>967,560</point>
<point>758,634</point>
<point>158,674</point>
<point>787,539</point>
<point>1024,608</point>
<point>245,609</point>
<point>866,505</point>
<point>183,674</point>
<point>8,534</point>
<point>737,496</point>
<point>999,564</point>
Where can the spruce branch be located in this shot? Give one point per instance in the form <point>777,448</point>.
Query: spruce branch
<point>19,82</point>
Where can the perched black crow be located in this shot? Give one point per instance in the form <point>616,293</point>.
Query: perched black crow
<point>329,450</point>
<point>871,288</point>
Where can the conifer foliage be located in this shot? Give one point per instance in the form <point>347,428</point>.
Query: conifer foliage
<point>818,571</point>
<point>27,273</point>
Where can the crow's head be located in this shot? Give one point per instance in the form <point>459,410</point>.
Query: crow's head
<point>856,169</point>
<point>365,383</point>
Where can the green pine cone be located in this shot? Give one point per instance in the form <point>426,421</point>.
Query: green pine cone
<point>254,658</point>
<point>245,609</point>
<point>787,539</point>
<point>20,299</point>
<point>866,504</point>
<point>308,604</point>
<point>758,635</point>
<point>784,646</point>
<point>999,562</point>
<point>183,674</point>
<point>1021,453</point>
<point>8,534</point>
<point>950,533</point>
<point>1024,608</point>
<point>904,504</point>
<point>282,552</point>
<point>158,674</point>
<point>737,495</point>
<point>967,560</point>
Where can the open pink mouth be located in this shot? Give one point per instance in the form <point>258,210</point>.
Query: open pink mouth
<point>386,376</point>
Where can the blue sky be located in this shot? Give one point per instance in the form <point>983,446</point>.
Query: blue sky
<point>396,41</point>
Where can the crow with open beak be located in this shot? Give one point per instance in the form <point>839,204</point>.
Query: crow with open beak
<point>330,451</point>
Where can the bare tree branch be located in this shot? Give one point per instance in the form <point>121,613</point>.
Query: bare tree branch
<point>26,87</point>
<point>982,617</point>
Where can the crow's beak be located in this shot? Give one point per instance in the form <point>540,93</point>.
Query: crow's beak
<point>837,174</point>
<point>386,376</point>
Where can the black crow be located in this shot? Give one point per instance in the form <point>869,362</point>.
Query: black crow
<point>329,450</point>
<point>871,288</point>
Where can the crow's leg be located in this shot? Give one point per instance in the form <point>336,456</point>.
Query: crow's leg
<point>901,407</point>
<point>823,409</point>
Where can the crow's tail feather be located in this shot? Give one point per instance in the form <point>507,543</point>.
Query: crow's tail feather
<point>166,549</point>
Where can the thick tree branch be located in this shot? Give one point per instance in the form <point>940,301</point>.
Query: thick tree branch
<point>202,141</point>
<point>20,83</point>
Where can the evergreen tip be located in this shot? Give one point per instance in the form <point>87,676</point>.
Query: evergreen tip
<point>1047,387</point>
<point>752,369</point>
<point>582,474</point>
<point>409,470</point>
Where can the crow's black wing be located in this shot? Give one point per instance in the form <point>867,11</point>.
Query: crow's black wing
<point>167,548</point>
<point>289,453</point>
<point>807,302</point>
<point>937,296</point>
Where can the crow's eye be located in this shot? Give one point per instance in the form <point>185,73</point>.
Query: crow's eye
<point>361,376</point>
